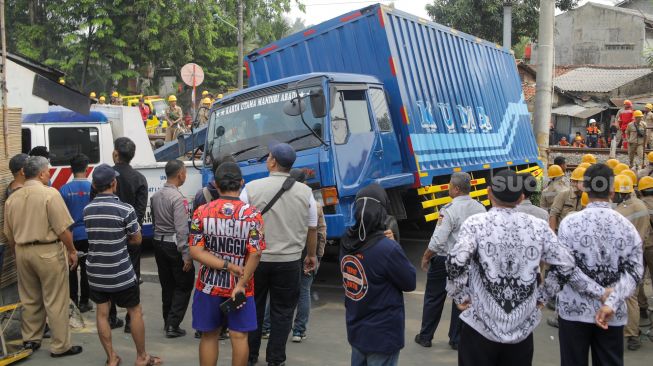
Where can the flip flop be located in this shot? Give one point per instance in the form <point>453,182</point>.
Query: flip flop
<point>153,360</point>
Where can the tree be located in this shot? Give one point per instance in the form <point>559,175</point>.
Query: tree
<point>484,18</point>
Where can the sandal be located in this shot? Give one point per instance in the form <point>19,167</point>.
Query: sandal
<point>153,360</point>
<point>117,363</point>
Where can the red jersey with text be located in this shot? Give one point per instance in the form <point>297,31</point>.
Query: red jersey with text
<point>229,229</point>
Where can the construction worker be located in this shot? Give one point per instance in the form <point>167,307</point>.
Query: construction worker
<point>588,158</point>
<point>622,119</point>
<point>593,133</point>
<point>620,168</point>
<point>115,98</point>
<point>584,165</point>
<point>636,135</point>
<point>645,187</point>
<point>92,95</point>
<point>62,81</point>
<point>648,118</point>
<point>633,209</point>
<point>555,185</point>
<point>567,201</point>
<point>648,169</point>
<point>203,114</point>
<point>630,174</point>
<point>612,163</point>
<point>173,115</point>
<point>102,100</point>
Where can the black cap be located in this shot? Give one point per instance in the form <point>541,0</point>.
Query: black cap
<point>228,172</point>
<point>507,186</point>
<point>17,162</point>
<point>103,175</point>
<point>283,153</point>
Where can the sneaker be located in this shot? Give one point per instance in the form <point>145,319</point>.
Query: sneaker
<point>633,343</point>
<point>298,338</point>
<point>422,342</point>
<point>265,334</point>
<point>552,321</point>
<point>116,323</point>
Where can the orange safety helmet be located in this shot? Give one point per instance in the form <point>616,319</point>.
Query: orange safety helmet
<point>628,103</point>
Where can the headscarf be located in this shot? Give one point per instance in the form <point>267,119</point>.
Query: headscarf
<point>370,215</point>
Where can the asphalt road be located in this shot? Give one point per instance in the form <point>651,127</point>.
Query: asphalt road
<point>327,339</point>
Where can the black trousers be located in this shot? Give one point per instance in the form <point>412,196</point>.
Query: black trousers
<point>577,339</point>
<point>476,350</point>
<point>79,290</point>
<point>281,281</point>
<point>434,298</point>
<point>176,285</point>
<point>134,251</point>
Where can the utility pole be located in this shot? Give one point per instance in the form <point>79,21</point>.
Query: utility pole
<point>3,78</point>
<point>507,24</point>
<point>544,86</point>
<point>240,44</point>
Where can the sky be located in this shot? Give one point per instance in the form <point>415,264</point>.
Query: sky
<point>318,11</point>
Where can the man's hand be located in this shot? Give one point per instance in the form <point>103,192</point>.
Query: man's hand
<point>540,305</point>
<point>235,270</point>
<point>606,294</point>
<point>310,263</point>
<point>72,260</point>
<point>188,265</point>
<point>388,234</point>
<point>464,306</point>
<point>237,289</point>
<point>603,316</point>
<point>426,259</point>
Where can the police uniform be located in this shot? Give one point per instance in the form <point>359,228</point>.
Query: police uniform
<point>170,221</point>
<point>637,213</point>
<point>172,115</point>
<point>565,203</point>
<point>443,239</point>
<point>551,191</point>
<point>35,216</point>
<point>645,171</point>
<point>648,118</point>
<point>648,252</point>
<point>636,132</point>
<point>203,116</point>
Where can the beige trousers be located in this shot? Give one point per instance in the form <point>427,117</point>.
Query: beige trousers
<point>171,133</point>
<point>648,263</point>
<point>632,327</point>
<point>635,152</point>
<point>44,291</point>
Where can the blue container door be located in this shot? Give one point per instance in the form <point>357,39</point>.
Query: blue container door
<point>357,147</point>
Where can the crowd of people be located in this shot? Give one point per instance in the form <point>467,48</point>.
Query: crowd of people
<point>258,247</point>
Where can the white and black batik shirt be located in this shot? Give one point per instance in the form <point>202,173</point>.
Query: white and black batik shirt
<point>495,265</point>
<point>608,249</point>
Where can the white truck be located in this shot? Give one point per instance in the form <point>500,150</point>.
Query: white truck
<point>67,134</point>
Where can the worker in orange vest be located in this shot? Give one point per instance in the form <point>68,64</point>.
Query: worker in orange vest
<point>593,133</point>
<point>623,118</point>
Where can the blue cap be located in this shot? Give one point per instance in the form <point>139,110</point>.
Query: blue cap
<point>283,153</point>
<point>104,174</point>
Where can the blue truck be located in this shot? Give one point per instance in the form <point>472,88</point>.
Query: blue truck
<point>379,95</point>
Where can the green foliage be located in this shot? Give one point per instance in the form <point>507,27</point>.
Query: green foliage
<point>484,18</point>
<point>100,44</point>
<point>520,47</point>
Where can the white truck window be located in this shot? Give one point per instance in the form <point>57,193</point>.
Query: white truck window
<point>66,142</point>
<point>380,108</point>
<point>349,115</point>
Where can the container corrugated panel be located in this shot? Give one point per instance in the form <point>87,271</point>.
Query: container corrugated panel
<point>456,101</point>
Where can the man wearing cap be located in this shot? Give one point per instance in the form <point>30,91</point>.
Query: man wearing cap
<point>556,183</point>
<point>174,116</point>
<point>493,273</point>
<point>593,133</point>
<point>645,187</point>
<point>622,119</point>
<point>203,114</point>
<point>37,228</point>
<point>110,225</point>
<point>648,169</point>
<point>176,271</point>
<point>636,134</point>
<point>290,226</point>
<point>648,119</point>
<point>443,239</point>
<point>567,201</point>
<point>16,165</point>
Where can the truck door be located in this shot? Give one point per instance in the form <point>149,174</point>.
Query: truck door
<point>389,148</point>
<point>357,146</point>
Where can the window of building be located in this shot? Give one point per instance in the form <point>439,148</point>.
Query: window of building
<point>66,142</point>
<point>619,47</point>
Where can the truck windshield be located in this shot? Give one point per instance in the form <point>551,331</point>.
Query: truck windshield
<point>249,125</point>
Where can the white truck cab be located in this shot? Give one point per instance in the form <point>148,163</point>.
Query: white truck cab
<point>68,133</point>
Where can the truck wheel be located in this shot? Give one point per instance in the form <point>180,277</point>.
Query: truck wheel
<point>391,224</point>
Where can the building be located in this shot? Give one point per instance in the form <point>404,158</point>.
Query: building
<point>595,92</point>
<point>596,34</point>
<point>644,6</point>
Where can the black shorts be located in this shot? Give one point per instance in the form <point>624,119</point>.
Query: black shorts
<point>127,298</point>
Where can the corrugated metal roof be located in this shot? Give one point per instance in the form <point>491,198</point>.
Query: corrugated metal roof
<point>577,111</point>
<point>597,80</point>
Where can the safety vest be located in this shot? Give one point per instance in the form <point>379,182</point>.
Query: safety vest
<point>625,118</point>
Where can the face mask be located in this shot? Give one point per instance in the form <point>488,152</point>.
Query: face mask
<point>362,232</point>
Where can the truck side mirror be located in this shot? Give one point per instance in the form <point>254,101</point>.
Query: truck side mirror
<point>294,107</point>
<point>318,103</point>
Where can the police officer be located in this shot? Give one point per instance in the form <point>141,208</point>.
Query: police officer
<point>444,237</point>
<point>567,201</point>
<point>42,265</point>
<point>648,169</point>
<point>557,183</point>
<point>636,212</point>
<point>645,187</point>
<point>176,271</point>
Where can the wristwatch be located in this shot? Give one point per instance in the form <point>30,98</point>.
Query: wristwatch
<point>225,266</point>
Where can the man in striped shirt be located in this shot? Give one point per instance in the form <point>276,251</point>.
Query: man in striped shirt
<point>111,225</point>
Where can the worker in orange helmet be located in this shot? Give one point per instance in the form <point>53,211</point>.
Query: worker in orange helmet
<point>636,135</point>
<point>622,119</point>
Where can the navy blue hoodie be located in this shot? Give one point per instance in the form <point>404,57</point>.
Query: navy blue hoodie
<point>375,278</point>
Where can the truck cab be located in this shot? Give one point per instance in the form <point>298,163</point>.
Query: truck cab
<point>339,124</point>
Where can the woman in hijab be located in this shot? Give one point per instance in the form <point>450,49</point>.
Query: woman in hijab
<point>375,273</point>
